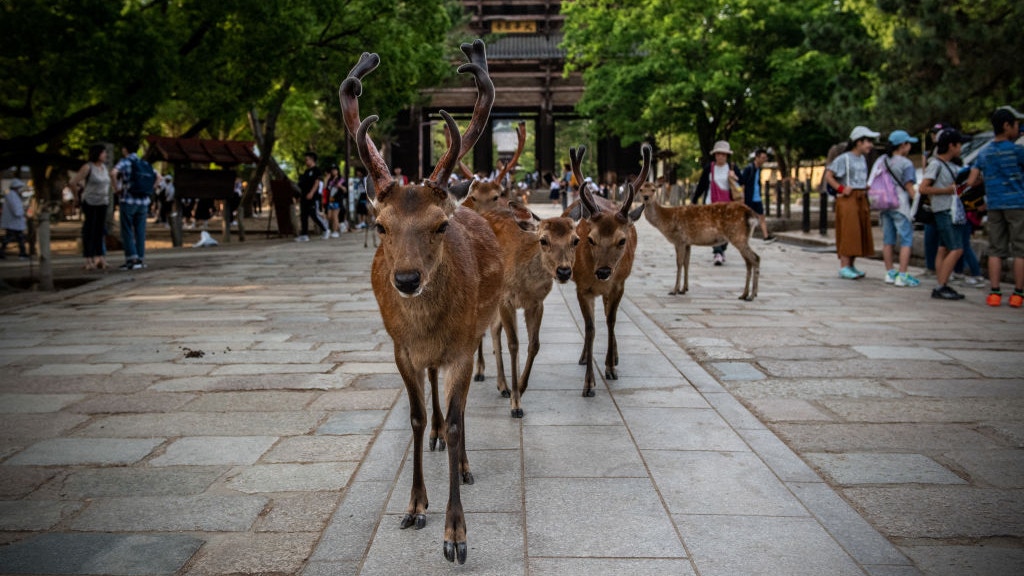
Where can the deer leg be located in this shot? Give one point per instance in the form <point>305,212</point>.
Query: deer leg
<point>416,513</point>
<point>611,359</point>
<point>499,362</point>
<point>686,269</point>
<point>437,417</point>
<point>479,375</point>
<point>455,548</point>
<point>508,323</point>
<point>587,309</point>
<point>680,260</point>
<point>753,271</point>
<point>534,315</point>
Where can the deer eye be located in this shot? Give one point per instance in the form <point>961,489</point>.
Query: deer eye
<point>575,241</point>
<point>543,241</point>
<point>442,228</point>
<point>591,240</point>
<point>380,229</point>
<point>622,242</point>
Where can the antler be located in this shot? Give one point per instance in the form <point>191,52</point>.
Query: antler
<point>477,66</point>
<point>466,172</point>
<point>575,161</point>
<point>349,93</point>
<point>444,167</point>
<point>645,151</point>
<point>521,135</point>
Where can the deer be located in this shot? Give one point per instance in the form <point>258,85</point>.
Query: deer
<point>604,260</point>
<point>437,278</point>
<point>704,225</point>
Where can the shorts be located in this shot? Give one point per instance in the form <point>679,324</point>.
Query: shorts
<point>1006,233</point>
<point>896,226</point>
<point>757,207</point>
<point>950,235</point>
<point>333,206</point>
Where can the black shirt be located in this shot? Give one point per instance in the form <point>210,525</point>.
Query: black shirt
<point>308,179</point>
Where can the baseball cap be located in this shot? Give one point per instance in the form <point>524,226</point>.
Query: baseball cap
<point>897,137</point>
<point>16,184</point>
<point>862,132</point>
<point>951,136</point>
<point>1005,114</point>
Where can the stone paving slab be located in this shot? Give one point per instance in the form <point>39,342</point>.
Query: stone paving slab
<point>83,553</point>
<point>78,451</point>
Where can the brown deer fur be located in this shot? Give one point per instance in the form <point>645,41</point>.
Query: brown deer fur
<point>532,260</point>
<point>704,225</point>
<point>604,260</point>
<point>437,278</point>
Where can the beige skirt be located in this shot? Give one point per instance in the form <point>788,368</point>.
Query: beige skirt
<point>853,225</point>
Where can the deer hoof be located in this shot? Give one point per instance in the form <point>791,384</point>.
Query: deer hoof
<point>611,374</point>
<point>506,394</point>
<point>517,412</point>
<point>418,520</point>
<point>583,361</point>
<point>437,443</point>
<point>467,478</point>
<point>478,377</point>
<point>455,551</point>
<point>747,298</point>
<point>588,392</point>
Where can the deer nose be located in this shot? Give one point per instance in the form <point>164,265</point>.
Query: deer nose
<point>563,273</point>
<point>603,273</point>
<point>407,282</point>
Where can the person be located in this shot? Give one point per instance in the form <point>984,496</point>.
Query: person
<point>848,175</point>
<point>715,185</point>
<point>94,180</point>
<point>751,179</point>
<point>235,202</point>
<point>165,195</point>
<point>896,223</point>
<point>336,197</point>
<point>399,177</point>
<point>13,220</point>
<point>134,206</point>
<point>1001,164</point>
<point>555,186</point>
<point>931,237</point>
<point>257,200</point>
<point>939,182</point>
<point>362,199</point>
<point>309,186</point>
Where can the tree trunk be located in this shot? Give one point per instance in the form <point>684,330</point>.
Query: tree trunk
<point>265,139</point>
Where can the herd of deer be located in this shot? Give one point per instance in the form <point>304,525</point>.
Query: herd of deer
<point>455,263</point>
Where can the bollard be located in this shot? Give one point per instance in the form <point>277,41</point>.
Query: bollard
<point>805,204</point>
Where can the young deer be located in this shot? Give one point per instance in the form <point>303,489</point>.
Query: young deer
<point>604,259</point>
<point>437,278</point>
<point>534,256</point>
<point>704,225</point>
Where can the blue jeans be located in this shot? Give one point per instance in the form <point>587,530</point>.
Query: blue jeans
<point>133,230</point>
<point>968,259</point>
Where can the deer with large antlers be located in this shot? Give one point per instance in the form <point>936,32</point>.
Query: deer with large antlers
<point>604,260</point>
<point>704,225</point>
<point>437,277</point>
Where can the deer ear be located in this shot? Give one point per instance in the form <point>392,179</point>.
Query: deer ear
<point>578,212</point>
<point>461,190</point>
<point>637,212</point>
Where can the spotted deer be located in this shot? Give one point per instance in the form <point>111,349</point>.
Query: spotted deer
<point>704,225</point>
<point>437,278</point>
<point>604,260</point>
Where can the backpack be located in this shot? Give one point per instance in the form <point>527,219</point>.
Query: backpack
<point>883,193</point>
<point>142,179</point>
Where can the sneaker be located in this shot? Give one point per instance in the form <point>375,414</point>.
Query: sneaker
<point>326,235</point>
<point>127,265</point>
<point>905,279</point>
<point>994,299</point>
<point>1016,300</point>
<point>848,273</point>
<point>719,259</point>
<point>956,276</point>
<point>974,281</point>
<point>770,238</point>
<point>890,276</point>
<point>858,272</point>
<point>302,238</point>
<point>138,265</point>
<point>946,293</point>
<point>335,235</point>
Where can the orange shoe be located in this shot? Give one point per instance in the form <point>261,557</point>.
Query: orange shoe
<point>994,299</point>
<point>1016,300</point>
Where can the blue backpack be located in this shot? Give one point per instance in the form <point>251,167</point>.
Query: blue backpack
<point>142,182</point>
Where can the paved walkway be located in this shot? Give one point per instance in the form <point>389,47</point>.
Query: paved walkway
<point>236,410</point>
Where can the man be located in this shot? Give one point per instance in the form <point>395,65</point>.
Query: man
<point>1001,164</point>
<point>309,186</point>
<point>751,179</point>
<point>13,220</point>
<point>135,180</point>
<point>939,183</point>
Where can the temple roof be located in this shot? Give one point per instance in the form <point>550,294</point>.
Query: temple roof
<point>194,150</point>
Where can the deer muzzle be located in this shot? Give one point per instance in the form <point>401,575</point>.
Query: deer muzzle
<point>408,283</point>
<point>603,273</point>
<point>563,273</point>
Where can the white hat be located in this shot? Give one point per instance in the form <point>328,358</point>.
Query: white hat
<point>862,132</point>
<point>723,147</point>
<point>17,184</point>
<point>588,179</point>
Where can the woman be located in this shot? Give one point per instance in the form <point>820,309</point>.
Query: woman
<point>716,183</point>
<point>94,180</point>
<point>897,227</point>
<point>335,197</point>
<point>848,175</point>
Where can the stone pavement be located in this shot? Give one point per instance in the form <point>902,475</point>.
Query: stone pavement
<point>236,410</point>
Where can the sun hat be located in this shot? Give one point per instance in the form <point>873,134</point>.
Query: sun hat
<point>721,147</point>
<point>897,137</point>
<point>862,132</point>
